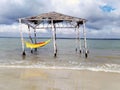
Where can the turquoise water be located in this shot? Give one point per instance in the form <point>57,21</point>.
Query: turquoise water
<point>104,55</point>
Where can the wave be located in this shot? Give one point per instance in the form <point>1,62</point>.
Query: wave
<point>104,68</point>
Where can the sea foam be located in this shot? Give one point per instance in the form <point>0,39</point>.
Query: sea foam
<point>105,68</point>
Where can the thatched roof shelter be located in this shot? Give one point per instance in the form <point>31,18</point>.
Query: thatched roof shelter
<point>47,18</point>
<point>55,20</point>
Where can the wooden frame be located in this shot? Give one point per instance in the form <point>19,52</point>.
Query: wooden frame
<point>52,19</point>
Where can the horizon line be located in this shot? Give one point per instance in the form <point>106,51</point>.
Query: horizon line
<point>65,38</point>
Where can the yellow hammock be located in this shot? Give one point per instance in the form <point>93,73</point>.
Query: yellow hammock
<point>37,45</point>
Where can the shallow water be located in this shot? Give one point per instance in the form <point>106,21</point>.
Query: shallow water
<point>104,55</point>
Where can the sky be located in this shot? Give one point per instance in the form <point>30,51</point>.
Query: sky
<point>103,16</point>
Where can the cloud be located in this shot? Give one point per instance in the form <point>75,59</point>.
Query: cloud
<point>102,15</point>
<point>14,30</point>
<point>14,9</point>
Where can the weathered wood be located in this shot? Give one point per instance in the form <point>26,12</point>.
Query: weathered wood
<point>78,41</point>
<point>29,34</point>
<point>85,42</point>
<point>51,27</point>
<point>30,37</point>
<point>57,20</point>
<point>54,39</point>
<point>21,35</point>
<point>56,17</point>
<point>35,37</point>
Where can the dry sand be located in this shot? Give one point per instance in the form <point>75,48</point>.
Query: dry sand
<point>57,79</point>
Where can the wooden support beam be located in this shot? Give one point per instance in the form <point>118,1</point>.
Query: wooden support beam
<point>22,40</point>
<point>35,37</point>
<point>54,38</point>
<point>30,37</point>
<point>30,34</point>
<point>85,42</point>
<point>78,41</point>
<point>56,27</point>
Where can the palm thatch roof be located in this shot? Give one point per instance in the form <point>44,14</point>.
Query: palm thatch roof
<point>52,16</point>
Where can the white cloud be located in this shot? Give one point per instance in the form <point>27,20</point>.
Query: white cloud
<point>100,24</point>
<point>8,28</point>
<point>66,31</point>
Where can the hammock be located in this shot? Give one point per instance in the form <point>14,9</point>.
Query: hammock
<point>36,45</point>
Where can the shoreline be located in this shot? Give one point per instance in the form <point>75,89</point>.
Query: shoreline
<point>59,68</point>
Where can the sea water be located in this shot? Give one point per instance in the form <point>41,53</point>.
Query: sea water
<point>104,55</point>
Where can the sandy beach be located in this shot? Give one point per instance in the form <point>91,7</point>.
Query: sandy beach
<point>60,45</point>
<point>57,79</point>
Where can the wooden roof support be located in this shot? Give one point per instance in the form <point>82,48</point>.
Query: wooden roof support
<point>78,41</point>
<point>35,37</point>
<point>85,42</point>
<point>30,37</point>
<point>56,20</point>
<point>54,38</point>
<point>29,34</point>
<point>22,40</point>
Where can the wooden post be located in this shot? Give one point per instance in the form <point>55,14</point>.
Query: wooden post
<point>54,38</point>
<point>22,40</point>
<point>35,38</point>
<point>85,43</point>
<point>30,34</point>
<point>30,37</point>
<point>78,42</point>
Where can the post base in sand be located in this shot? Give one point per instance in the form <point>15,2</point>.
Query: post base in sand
<point>76,49</point>
<point>35,49</point>
<point>23,53</point>
<point>86,55</point>
<point>55,54</point>
<point>31,51</point>
<point>80,51</point>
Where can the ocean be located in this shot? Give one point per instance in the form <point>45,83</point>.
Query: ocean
<point>104,55</point>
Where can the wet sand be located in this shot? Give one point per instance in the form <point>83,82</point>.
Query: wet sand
<point>57,79</point>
